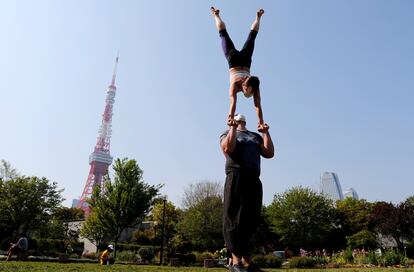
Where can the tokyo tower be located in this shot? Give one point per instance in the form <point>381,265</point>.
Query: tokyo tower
<point>100,159</point>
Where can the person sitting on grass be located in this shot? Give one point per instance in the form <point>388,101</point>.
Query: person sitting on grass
<point>105,256</point>
<point>19,249</point>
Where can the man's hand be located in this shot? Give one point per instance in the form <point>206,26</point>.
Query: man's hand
<point>231,122</point>
<point>263,128</point>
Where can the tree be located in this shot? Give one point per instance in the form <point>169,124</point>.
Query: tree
<point>198,192</point>
<point>171,219</point>
<point>407,218</point>
<point>153,235</point>
<point>125,201</point>
<point>27,203</point>
<point>302,218</point>
<point>66,214</point>
<point>6,171</point>
<point>93,230</point>
<point>264,236</point>
<point>202,224</point>
<point>395,221</point>
<point>353,218</point>
<point>58,227</point>
<point>202,219</point>
<point>363,239</point>
<point>356,214</point>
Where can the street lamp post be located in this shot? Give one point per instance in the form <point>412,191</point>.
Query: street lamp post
<point>162,230</point>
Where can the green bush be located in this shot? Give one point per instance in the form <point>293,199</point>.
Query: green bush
<point>268,261</point>
<point>273,261</point>
<point>362,239</point>
<point>146,253</point>
<point>46,247</point>
<point>185,259</point>
<point>320,260</point>
<point>91,255</point>
<point>372,258</point>
<point>392,257</point>
<point>259,260</point>
<point>201,256</point>
<point>126,256</point>
<point>349,258</point>
<point>76,248</point>
<point>302,262</point>
<point>5,244</point>
<point>127,247</point>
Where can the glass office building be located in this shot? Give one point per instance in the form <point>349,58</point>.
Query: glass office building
<point>330,186</point>
<point>351,193</point>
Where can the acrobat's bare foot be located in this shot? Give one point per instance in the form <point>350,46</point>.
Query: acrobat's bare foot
<point>259,13</point>
<point>216,12</point>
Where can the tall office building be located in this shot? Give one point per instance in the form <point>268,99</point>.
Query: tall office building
<point>351,193</point>
<point>330,186</point>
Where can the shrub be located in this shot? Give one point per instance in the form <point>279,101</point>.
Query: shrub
<point>201,256</point>
<point>146,253</point>
<point>46,247</point>
<point>259,260</point>
<point>349,258</point>
<point>372,258</point>
<point>302,262</point>
<point>127,247</point>
<point>273,261</point>
<point>76,247</point>
<point>392,257</point>
<point>268,261</point>
<point>185,259</point>
<point>126,256</point>
<point>5,244</point>
<point>362,239</point>
<point>320,260</point>
<point>91,255</point>
<point>221,254</point>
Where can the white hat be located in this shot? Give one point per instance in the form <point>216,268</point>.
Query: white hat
<point>240,117</point>
<point>111,247</point>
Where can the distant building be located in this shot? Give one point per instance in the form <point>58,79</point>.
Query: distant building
<point>75,202</point>
<point>351,193</point>
<point>330,186</point>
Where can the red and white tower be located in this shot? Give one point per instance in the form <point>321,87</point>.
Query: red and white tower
<point>100,159</point>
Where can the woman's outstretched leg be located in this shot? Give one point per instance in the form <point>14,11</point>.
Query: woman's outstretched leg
<point>219,22</point>
<point>226,43</point>
<point>256,22</point>
<point>248,46</point>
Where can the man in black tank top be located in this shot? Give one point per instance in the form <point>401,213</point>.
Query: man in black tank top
<point>243,189</point>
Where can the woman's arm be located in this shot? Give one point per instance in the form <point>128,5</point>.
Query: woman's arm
<point>233,99</point>
<point>258,106</point>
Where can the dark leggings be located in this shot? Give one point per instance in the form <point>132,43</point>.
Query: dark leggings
<point>235,58</point>
<point>242,205</point>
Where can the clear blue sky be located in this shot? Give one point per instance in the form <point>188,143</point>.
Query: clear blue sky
<point>337,90</point>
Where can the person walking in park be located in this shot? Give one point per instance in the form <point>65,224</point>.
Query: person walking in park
<point>239,66</point>
<point>20,248</point>
<point>243,192</point>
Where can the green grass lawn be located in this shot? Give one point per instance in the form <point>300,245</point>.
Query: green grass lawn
<point>47,267</point>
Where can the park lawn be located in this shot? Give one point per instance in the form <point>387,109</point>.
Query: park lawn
<point>49,267</point>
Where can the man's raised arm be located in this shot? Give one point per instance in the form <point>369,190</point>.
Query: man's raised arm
<point>268,150</point>
<point>228,143</point>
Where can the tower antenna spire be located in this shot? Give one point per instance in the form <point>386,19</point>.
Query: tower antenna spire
<point>115,68</point>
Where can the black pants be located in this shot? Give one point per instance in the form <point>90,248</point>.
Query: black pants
<point>242,205</point>
<point>235,58</point>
